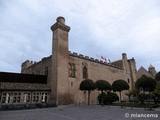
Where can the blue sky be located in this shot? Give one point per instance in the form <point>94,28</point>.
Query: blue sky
<point>103,27</point>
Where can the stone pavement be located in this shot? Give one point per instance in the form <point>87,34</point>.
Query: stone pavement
<point>72,112</point>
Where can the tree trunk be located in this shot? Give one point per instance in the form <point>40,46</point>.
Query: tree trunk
<point>120,98</point>
<point>85,97</point>
<point>89,97</point>
<point>129,97</point>
<point>102,98</point>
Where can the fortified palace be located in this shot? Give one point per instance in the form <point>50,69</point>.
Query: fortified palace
<point>56,78</point>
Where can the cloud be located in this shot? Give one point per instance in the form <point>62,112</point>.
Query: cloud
<point>105,27</point>
<point>126,26</point>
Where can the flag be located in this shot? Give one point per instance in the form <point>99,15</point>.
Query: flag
<point>103,58</point>
<point>109,60</point>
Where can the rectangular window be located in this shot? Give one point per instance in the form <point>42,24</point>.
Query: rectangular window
<point>16,97</point>
<point>36,97</point>
<point>85,72</point>
<point>28,97</point>
<point>3,97</point>
<point>72,70</point>
<point>6,98</point>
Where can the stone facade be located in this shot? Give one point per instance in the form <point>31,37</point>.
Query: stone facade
<point>66,70</point>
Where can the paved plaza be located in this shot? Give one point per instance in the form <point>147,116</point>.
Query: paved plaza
<point>72,112</point>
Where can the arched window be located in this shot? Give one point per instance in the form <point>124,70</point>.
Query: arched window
<point>85,72</point>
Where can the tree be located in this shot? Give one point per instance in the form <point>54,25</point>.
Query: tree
<point>87,85</point>
<point>134,92</point>
<point>157,77</point>
<point>145,83</point>
<point>119,86</point>
<point>102,85</point>
<point>158,85</point>
<point>156,93</point>
<point>129,94</point>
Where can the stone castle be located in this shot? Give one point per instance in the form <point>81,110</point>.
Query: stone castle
<point>65,70</point>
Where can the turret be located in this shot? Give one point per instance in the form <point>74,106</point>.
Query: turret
<point>129,66</point>
<point>59,65</point>
<point>152,71</point>
<point>26,65</point>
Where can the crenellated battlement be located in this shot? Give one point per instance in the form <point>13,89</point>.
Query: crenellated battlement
<point>29,63</point>
<point>74,54</point>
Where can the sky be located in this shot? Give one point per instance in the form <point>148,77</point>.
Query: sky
<point>98,28</point>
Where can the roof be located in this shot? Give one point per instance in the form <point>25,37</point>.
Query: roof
<point>22,78</point>
<point>18,81</point>
<point>143,71</point>
<point>23,86</point>
<point>118,63</point>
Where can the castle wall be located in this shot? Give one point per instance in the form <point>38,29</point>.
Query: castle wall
<point>42,67</point>
<point>97,70</point>
<point>65,87</point>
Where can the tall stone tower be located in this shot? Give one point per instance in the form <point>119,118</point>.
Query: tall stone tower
<point>59,66</point>
<point>129,66</point>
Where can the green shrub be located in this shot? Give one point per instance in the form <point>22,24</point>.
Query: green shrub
<point>108,98</point>
<point>142,97</point>
<point>26,106</point>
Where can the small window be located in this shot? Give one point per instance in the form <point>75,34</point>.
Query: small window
<point>85,72</point>
<point>72,70</point>
<point>128,81</point>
